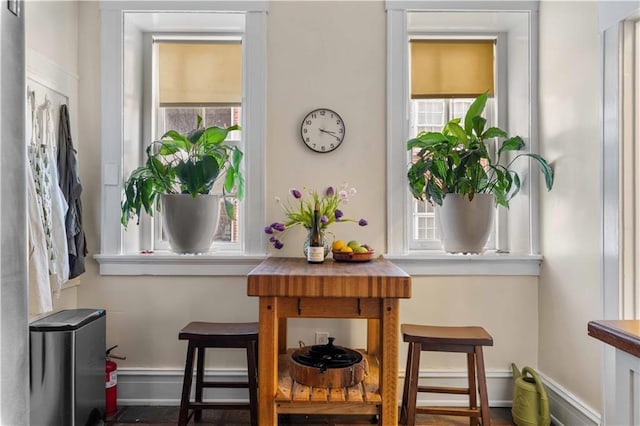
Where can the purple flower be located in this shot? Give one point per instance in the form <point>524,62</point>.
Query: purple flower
<point>273,225</point>
<point>324,219</point>
<point>272,239</point>
<point>296,193</point>
<point>277,244</point>
<point>338,214</point>
<point>330,191</point>
<point>268,230</point>
<point>362,222</point>
<point>279,227</point>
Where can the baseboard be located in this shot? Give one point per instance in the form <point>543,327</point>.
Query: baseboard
<point>499,385</point>
<point>566,408</point>
<point>142,386</point>
<point>164,386</point>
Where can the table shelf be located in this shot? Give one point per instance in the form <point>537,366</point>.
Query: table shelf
<point>295,398</point>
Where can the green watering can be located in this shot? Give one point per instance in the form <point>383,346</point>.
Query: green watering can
<point>530,402</point>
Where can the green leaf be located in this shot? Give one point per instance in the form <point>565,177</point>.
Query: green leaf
<point>228,205</point>
<point>494,132</point>
<point>475,109</point>
<point>195,135</point>
<point>456,130</point>
<point>434,193</point>
<point>237,157</point>
<point>240,183</point>
<point>512,144</point>
<point>545,168</point>
<point>429,141</point>
<point>478,122</point>
<point>180,140</point>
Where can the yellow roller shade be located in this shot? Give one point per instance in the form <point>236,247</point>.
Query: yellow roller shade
<point>200,73</point>
<point>451,68</point>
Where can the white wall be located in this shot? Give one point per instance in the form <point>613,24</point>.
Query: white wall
<point>570,293</point>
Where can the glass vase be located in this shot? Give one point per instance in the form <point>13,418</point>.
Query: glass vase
<point>327,237</point>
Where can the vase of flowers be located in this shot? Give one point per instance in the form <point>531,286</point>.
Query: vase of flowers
<point>327,237</point>
<point>299,212</point>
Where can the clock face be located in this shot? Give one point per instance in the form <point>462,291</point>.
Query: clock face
<point>322,130</point>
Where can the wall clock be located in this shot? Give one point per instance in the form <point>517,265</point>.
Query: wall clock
<point>322,130</point>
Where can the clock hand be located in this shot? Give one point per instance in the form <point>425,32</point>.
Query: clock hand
<point>328,131</point>
<point>331,133</point>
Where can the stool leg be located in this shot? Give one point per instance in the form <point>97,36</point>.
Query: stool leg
<point>471,375</point>
<point>405,391</point>
<point>414,349</point>
<point>199,380</point>
<point>252,372</point>
<point>482,387</point>
<point>186,386</point>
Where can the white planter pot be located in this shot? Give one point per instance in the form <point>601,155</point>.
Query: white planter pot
<point>465,225</point>
<point>190,223</point>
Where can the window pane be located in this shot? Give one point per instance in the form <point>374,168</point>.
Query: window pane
<point>181,119</point>
<point>220,117</point>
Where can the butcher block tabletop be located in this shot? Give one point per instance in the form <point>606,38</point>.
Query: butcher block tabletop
<point>295,277</point>
<point>621,334</point>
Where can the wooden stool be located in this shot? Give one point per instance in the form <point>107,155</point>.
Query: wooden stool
<point>469,340</point>
<point>202,335</point>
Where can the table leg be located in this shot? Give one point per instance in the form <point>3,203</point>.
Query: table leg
<point>282,335</point>
<point>373,337</point>
<point>268,361</point>
<point>389,362</point>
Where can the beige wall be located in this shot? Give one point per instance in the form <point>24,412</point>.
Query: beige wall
<point>320,55</point>
<point>56,41</point>
<point>570,291</point>
<point>51,28</point>
<point>333,55</point>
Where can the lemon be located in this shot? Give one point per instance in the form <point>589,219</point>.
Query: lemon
<point>337,245</point>
<point>353,244</point>
<point>360,249</point>
<point>346,249</point>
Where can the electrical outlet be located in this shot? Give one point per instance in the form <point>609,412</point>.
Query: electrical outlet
<point>322,337</point>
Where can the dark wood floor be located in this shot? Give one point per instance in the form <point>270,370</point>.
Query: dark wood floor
<point>164,416</point>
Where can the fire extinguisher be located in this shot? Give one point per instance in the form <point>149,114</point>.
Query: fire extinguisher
<point>111,402</point>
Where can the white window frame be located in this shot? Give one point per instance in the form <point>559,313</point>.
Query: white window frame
<point>526,259</point>
<point>120,256</point>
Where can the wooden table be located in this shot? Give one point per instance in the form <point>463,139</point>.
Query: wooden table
<point>622,405</point>
<point>293,288</point>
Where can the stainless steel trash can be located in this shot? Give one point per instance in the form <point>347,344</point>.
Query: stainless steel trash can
<point>67,362</point>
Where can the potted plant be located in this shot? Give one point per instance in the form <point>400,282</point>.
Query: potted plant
<point>456,170</point>
<point>177,177</point>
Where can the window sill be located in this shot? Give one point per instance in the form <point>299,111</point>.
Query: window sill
<point>491,263</point>
<point>415,264</point>
<point>166,263</point>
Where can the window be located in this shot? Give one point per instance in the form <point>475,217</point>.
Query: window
<point>134,112</point>
<point>183,92</point>
<point>629,173</point>
<point>430,115</point>
<point>183,120</point>
<point>511,30</point>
